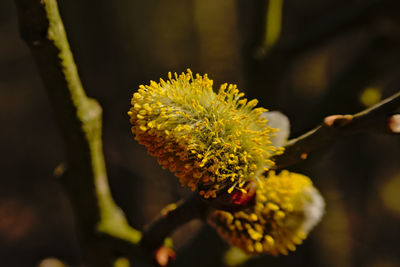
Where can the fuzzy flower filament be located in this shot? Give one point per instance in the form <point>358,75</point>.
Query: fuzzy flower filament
<point>216,140</point>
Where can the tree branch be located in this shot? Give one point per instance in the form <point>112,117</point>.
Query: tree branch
<point>80,121</point>
<point>379,118</point>
<point>171,217</point>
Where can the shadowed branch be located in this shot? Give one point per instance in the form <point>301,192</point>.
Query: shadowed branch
<point>379,118</point>
<point>170,218</point>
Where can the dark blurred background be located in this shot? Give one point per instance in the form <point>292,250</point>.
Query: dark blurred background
<point>307,58</point>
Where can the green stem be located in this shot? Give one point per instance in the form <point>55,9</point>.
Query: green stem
<point>80,120</point>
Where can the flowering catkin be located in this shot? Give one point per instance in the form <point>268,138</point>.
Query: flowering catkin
<point>216,140</point>
<point>287,207</point>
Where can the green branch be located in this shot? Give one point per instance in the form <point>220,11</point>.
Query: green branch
<point>80,121</point>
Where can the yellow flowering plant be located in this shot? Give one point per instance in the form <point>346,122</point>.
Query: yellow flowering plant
<point>217,141</point>
<point>221,145</point>
<point>287,207</point>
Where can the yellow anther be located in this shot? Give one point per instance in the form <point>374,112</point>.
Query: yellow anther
<point>258,247</point>
<point>185,120</point>
<point>230,189</point>
<point>272,206</point>
<point>252,103</point>
<point>254,217</point>
<point>269,240</point>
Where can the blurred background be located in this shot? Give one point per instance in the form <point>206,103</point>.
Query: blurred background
<point>307,58</point>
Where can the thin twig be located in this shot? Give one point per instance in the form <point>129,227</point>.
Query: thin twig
<point>374,119</point>
<point>172,217</point>
<point>80,121</point>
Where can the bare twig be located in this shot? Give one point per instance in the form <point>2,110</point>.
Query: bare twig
<point>172,217</point>
<point>80,120</point>
<point>377,119</point>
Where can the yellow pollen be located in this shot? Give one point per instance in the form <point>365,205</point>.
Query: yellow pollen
<point>206,134</point>
<point>272,225</point>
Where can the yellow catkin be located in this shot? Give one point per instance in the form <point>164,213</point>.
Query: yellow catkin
<point>216,140</point>
<point>273,225</point>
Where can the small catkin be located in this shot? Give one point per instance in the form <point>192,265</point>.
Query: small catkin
<point>287,207</point>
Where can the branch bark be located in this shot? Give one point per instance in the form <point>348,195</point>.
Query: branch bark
<point>80,121</point>
<point>172,217</point>
<point>374,119</point>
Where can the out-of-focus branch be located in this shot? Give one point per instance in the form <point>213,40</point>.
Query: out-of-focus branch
<point>273,24</point>
<point>379,118</point>
<point>171,217</point>
<point>195,207</point>
<point>339,23</point>
<point>80,121</point>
